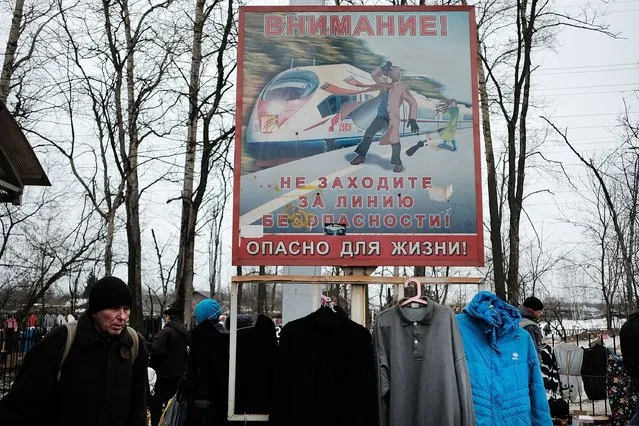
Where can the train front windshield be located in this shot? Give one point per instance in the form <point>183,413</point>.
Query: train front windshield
<point>291,86</point>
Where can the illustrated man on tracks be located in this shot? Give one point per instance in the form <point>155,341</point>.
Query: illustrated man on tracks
<point>393,93</point>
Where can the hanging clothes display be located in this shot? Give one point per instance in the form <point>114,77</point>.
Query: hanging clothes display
<point>549,369</point>
<point>208,370</point>
<point>593,371</point>
<point>569,359</point>
<point>255,365</point>
<point>28,339</point>
<point>421,367</point>
<point>621,393</point>
<point>32,321</point>
<point>49,322</point>
<point>504,369</point>
<point>325,374</point>
<point>60,320</point>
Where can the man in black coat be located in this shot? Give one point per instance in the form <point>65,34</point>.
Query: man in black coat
<point>169,357</point>
<point>99,384</point>
<point>629,339</point>
<point>531,310</point>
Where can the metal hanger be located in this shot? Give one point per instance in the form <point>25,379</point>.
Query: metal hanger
<point>418,296</point>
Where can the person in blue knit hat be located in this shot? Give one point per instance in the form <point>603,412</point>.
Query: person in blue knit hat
<point>208,361</point>
<point>207,309</point>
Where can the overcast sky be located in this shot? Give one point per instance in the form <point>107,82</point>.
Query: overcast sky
<point>580,86</point>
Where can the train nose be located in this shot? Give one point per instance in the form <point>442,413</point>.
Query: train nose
<point>268,123</point>
<point>273,115</point>
<point>270,115</point>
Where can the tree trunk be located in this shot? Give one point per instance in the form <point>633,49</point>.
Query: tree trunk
<point>517,157</point>
<point>420,271</point>
<point>493,198</point>
<point>273,294</point>
<point>632,221</point>
<point>132,195</point>
<point>108,244</point>
<point>10,51</point>
<point>119,115</point>
<point>135,250</point>
<point>184,276</point>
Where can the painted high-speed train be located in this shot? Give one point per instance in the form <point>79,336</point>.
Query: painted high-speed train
<point>300,113</point>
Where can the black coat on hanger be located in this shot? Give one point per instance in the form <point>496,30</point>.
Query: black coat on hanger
<point>325,373</point>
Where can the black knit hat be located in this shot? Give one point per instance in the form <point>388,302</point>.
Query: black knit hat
<point>109,292</point>
<point>533,303</point>
<point>172,311</point>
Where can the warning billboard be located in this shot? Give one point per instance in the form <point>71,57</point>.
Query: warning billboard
<point>357,138</point>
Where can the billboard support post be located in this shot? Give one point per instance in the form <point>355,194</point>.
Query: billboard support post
<point>358,292</point>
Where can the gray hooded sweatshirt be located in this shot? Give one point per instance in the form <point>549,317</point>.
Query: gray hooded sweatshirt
<point>421,368</point>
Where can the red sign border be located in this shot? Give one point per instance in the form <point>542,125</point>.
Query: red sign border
<point>476,240</point>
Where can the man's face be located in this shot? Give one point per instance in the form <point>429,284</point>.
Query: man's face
<point>538,314</point>
<point>394,74</point>
<point>112,320</point>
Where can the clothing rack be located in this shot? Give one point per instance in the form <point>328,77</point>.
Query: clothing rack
<point>357,309</point>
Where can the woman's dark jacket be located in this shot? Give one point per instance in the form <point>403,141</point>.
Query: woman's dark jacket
<point>99,385</point>
<point>168,352</point>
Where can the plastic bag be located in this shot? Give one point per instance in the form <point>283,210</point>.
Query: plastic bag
<point>175,412</point>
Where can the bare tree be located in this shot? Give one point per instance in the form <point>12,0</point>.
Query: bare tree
<point>601,266</point>
<point>50,251</point>
<point>114,61</point>
<point>537,263</point>
<point>75,291</point>
<point>105,193</point>
<point>216,221</point>
<point>527,24</point>
<point>556,316</point>
<point>623,212</point>
<point>28,28</point>
<point>161,294</point>
<point>206,102</point>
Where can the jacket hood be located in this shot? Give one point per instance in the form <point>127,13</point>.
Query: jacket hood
<point>525,313</point>
<point>178,326</point>
<point>497,316</point>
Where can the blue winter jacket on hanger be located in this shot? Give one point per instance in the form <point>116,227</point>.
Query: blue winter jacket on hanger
<point>502,361</point>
